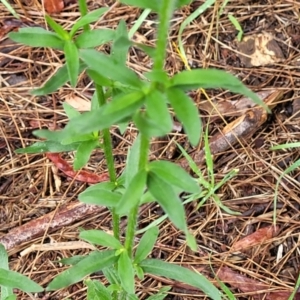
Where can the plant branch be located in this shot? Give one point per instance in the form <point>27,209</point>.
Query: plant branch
<point>133,215</point>
<point>108,152</point>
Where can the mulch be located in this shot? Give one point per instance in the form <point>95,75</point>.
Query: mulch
<point>32,188</point>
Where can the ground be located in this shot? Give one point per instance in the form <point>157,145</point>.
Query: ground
<point>31,187</point>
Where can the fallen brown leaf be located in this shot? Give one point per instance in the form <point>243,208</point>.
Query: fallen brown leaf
<point>54,6</point>
<point>254,288</point>
<point>258,237</point>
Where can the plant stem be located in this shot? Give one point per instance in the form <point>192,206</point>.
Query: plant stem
<point>83,11</point>
<point>162,35</point>
<point>133,215</point>
<point>108,152</point>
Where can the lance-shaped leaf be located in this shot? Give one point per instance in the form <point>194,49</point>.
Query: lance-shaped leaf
<point>174,175</point>
<point>72,61</point>
<point>63,34</point>
<point>37,37</point>
<point>94,38</point>
<point>167,199</point>
<point>211,78</point>
<point>99,237</point>
<point>94,262</point>
<point>187,113</point>
<point>87,19</point>
<point>126,272</point>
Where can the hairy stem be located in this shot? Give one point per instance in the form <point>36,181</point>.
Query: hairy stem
<point>108,152</point>
<point>133,215</point>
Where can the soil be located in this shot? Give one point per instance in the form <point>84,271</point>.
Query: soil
<point>31,187</point>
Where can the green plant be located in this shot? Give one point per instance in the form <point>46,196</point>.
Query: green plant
<point>10,280</point>
<point>122,97</point>
<point>288,170</point>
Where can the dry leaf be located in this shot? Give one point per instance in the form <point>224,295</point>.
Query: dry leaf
<point>260,50</point>
<point>54,6</point>
<point>78,103</point>
<point>254,288</point>
<point>258,237</point>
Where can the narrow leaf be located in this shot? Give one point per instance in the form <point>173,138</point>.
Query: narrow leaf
<point>90,264</point>
<point>146,244</point>
<point>153,4</point>
<point>175,272</point>
<point>121,43</point>
<point>88,19</point>
<point>132,163</point>
<point>187,113</point>
<point>16,280</point>
<point>72,61</point>
<point>94,38</point>
<point>174,175</point>
<point>157,110</point>
<point>63,34</point>
<point>55,82</point>
<point>211,78</point>
<point>47,146</point>
<point>133,193</point>
<point>117,110</point>
<point>147,126</point>
<point>110,68</point>
<point>70,111</point>
<point>100,197</point>
<point>168,200</point>
<point>83,153</point>
<point>126,272</point>
<point>96,290</point>
<point>5,291</point>
<point>99,237</point>
<point>37,37</point>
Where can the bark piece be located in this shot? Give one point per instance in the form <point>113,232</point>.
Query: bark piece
<point>48,223</point>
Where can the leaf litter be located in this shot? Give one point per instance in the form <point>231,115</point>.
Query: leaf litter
<point>27,184</point>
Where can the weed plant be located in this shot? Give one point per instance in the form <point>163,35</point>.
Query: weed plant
<point>121,97</point>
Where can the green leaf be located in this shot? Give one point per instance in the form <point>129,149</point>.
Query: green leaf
<point>132,164</point>
<point>126,272</point>
<point>72,61</point>
<point>88,19</point>
<point>157,110</point>
<point>99,79</point>
<point>162,294</point>
<point>100,197</point>
<point>94,38</point>
<point>187,113</point>
<point>147,126</point>
<point>211,78</point>
<point>96,290</point>
<point>63,34</point>
<point>133,193</point>
<point>146,244</point>
<point>90,264</point>
<point>122,106</point>
<point>110,68</point>
<point>111,275</point>
<point>48,146</point>
<point>6,292</point>
<point>71,260</point>
<point>83,153</point>
<point>175,272</point>
<point>121,44</point>
<point>37,37</point>
<point>55,82</point>
<point>139,272</point>
<point>147,49</point>
<point>70,111</point>
<point>99,237</point>
<point>152,4</point>
<point>16,280</point>
<point>174,175</point>
<point>11,10</point>
<point>168,200</point>
<point>11,297</point>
